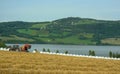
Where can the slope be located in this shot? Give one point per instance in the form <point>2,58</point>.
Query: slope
<point>71,30</point>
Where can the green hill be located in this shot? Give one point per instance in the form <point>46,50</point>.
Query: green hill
<point>71,30</point>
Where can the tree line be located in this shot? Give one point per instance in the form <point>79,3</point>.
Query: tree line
<point>114,55</point>
<point>91,53</point>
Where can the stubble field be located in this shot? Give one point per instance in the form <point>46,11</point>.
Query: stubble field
<point>36,63</point>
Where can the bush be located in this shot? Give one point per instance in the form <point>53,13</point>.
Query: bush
<point>48,50</point>
<point>91,53</point>
<point>2,44</point>
<point>57,51</point>
<point>44,50</point>
<point>110,54</point>
<point>66,52</point>
<point>114,55</point>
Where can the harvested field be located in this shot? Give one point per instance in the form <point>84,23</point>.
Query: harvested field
<point>36,63</point>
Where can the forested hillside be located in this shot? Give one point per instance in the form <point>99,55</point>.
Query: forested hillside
<point>71,30</point>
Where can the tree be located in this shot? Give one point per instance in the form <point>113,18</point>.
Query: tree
<point>82,37</point>
<point>93,53</point>
<point>44,50</point>
<point>48,50</point>
<point>2,44</point>
<point>110,54</point>
<point>90,52</point>
<point>57,51</point>
<point>66,52</point>
<point>114,55</point>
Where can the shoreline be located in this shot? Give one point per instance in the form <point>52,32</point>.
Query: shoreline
<point>74,55</point>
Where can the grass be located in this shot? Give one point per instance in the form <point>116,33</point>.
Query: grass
<point>87,35</point>
<point>28,31</point>
<point>29,63</point>
<point>74,40</point>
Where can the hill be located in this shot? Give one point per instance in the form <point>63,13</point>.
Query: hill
<point>36,63</point>
<point>71,30</point>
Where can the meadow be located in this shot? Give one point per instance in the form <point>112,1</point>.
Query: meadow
<point>36,63</point>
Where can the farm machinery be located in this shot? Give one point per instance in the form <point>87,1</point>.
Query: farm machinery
<point>23,48</point>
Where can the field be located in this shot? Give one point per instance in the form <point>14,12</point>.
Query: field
<point>14,37</point>
<point>67,40</point>
<point>113,41</point>
<point>36,63</point>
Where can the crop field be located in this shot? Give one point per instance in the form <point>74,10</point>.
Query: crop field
<point>36,63</point>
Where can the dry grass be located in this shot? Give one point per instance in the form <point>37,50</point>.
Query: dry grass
<point>29,63</point>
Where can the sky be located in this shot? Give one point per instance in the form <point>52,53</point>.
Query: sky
<point>48,10</point>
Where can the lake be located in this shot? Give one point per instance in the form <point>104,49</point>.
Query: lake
<point>75,49</point>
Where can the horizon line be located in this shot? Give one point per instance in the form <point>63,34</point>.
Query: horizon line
<point>59,19</point>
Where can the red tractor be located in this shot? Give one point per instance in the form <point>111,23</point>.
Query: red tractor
<point>23,48</point>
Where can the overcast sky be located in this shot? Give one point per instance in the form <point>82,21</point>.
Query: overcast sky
<point>48,10</point>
